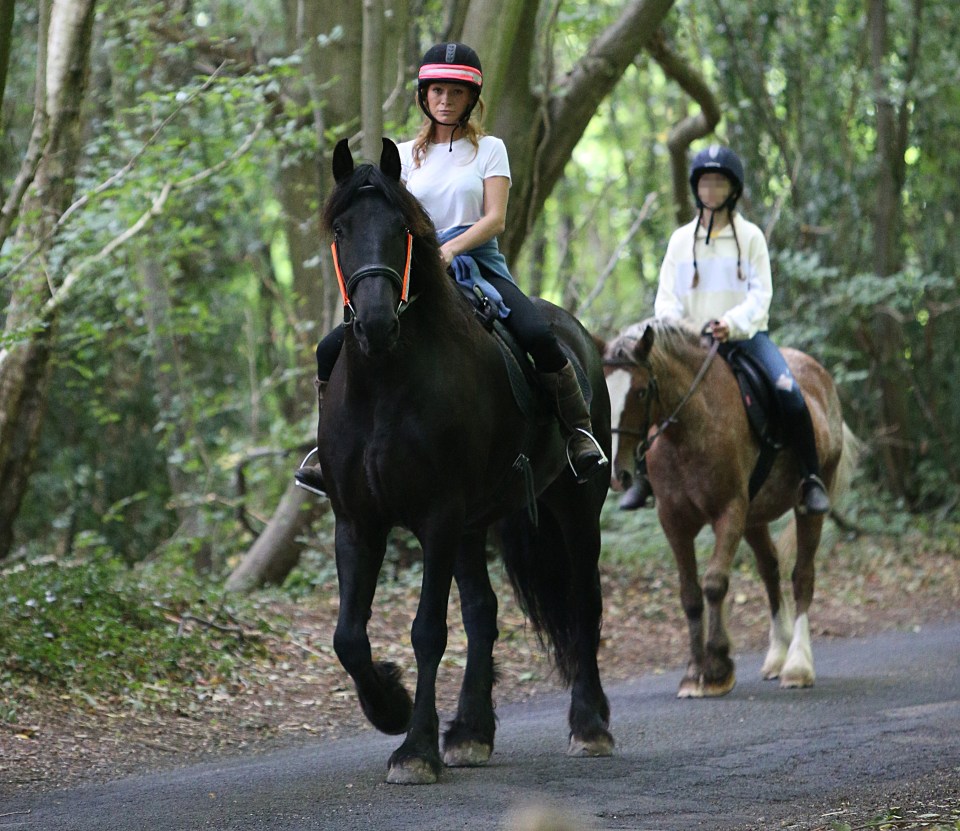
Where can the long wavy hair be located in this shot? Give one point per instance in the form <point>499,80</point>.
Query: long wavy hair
<point>472,130</point>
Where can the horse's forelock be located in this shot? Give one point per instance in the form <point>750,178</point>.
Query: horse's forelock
<point>416,219</point>
<point>669,336</point>
<point>370,176</point>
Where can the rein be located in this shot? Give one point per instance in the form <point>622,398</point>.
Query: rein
<point>653,392</point>
<point>402,282</point>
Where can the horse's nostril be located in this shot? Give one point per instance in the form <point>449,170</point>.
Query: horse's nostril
<point>625,479</point>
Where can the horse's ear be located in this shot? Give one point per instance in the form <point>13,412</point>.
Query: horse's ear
<point>342,161</point>
<point>390,159</point>
<point>645,344</point>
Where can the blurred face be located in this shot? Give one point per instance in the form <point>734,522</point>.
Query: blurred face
<point>448,102</point>
<point>713,189</point>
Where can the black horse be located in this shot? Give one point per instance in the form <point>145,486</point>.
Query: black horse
<point>420,430</point>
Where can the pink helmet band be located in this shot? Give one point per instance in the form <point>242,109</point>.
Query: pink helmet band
<point>454,73</point>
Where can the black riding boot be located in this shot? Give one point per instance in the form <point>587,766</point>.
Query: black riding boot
<point>310,477</point>
<point>639,493</point>
<point>813,497</point>
<point>584,453</point>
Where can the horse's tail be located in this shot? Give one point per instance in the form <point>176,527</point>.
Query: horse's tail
<point>850,455</point>
<point>851,451</point>
<point>541,569</point>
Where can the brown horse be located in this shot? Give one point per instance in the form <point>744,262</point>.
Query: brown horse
<point>665,387</point>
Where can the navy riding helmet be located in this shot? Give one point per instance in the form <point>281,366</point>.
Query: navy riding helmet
<point>718,159</point>
<point>454,63</point>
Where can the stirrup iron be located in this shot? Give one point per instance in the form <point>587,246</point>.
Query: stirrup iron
<point>304,485</point>
<point>603,461</point>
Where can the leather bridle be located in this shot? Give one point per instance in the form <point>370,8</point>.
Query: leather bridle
<point>401,281</point>
<point>651,393</point>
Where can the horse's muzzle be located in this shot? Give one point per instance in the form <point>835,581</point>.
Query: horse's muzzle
<point>377,335</point>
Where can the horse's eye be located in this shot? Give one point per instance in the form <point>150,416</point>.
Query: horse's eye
<point>640,392</point>
<point>337,231</point>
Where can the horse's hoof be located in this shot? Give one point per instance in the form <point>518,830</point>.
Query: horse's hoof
<point>773,664</point>
<point>770,673</point>
<point>715,689</point>
<point>796,680</point>
<point>690,688</point>
<point>599,746</point>
<point>412,772</point>
<point>467,755</point>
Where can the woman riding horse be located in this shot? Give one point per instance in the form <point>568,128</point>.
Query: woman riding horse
<point>462,178</point>
<point>716,275</point>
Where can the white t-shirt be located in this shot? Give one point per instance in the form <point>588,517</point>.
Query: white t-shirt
<point>449,183</point>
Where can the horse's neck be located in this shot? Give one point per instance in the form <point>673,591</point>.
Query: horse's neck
<point>676,374</point>
<point>435,329</point>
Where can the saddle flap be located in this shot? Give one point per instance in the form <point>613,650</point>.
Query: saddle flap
<point>759,399</point>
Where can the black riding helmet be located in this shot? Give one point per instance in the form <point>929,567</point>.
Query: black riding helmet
<point>718,159</point>
<point>453,63</point>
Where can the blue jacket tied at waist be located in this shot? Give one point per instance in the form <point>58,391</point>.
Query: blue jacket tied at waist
<point>466,268</point>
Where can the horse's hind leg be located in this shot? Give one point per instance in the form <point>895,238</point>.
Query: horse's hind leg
<point>555,571</point>
<point>589,709</point>
<point>468,740</point>
<point>781,619</point>
<point>798,668</point>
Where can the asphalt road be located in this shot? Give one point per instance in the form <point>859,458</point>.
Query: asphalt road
<point>882,721</point>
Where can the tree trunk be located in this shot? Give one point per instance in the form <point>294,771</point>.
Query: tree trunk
<point>898,446</point>
<point>689,129</point>
<point>371,74</point>
<point>276,552</point>
<point>170,390</point>
<point>542,133</point>
<point>63,67</point>
<point>6,30</point>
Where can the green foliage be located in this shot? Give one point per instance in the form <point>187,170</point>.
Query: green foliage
<point>162,387</point>
<point>923,305</point>
<point>99,629</point>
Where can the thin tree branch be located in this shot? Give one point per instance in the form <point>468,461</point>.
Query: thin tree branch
<point>155,210</point>
<point>645,209</point>
<point>116,177</point>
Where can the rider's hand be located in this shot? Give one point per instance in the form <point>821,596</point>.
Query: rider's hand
<point>719,330</point>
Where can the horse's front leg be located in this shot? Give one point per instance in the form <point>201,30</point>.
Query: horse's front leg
<point>417,760</point>
<point>468,741</point>
<point>384,700</point>
<point>691,598</point>
<point>719,676</point>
